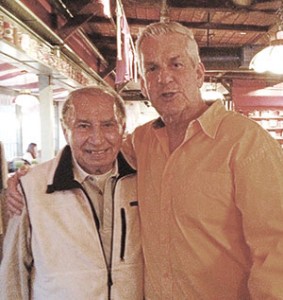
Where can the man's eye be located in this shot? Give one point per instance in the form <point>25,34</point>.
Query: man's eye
<point>83,126</point>
<point>108,125</point>
<point>177,65</point>
<point>150,69</point>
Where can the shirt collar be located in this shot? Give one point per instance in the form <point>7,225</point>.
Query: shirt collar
<point>80,175</point>
<point>209,121</point>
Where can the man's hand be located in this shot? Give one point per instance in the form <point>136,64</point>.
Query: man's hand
<point>14,198</point>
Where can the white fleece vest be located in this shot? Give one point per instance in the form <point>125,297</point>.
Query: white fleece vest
<point>69,262</point>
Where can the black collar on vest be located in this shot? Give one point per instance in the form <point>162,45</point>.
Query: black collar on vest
<point>123,167</point>
<point>158,123</point>
<point>64,177</point>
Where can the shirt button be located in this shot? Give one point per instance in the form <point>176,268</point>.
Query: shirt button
<point>163,239</point>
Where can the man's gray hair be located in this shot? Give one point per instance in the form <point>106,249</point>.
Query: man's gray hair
<point>68,107</point>
<point>161,28</point>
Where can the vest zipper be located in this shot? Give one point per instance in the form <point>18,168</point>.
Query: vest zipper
<point>110,282</point>
<point>96,220</point>
<point>109,275</point>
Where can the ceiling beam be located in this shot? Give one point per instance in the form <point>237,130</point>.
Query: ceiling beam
<point>193,25</point>
<point>81,17</point>
<point>209,5</point>
<point>222,5</point>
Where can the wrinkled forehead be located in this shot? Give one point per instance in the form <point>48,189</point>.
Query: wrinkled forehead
<point>172,44</point>
<point>96,104</point>
<point>91,95</point>
<point>88,101</point>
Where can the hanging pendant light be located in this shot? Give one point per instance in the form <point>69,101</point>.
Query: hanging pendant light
<point>270,59</point>
<point>242,2</point>
<point>26,99</point>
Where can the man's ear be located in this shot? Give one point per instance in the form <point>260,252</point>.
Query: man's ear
<point>65,132</point>
<point>124,131</point>
<point>143,88</point>
<point>200,74</point>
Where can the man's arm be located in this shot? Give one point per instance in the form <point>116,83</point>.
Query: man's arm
<point>129,151</point>
<point>17,260</point>
<point>14,198</point>
<point>259,196</point>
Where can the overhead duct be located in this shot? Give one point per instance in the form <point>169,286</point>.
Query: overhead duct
<point>221,58</point>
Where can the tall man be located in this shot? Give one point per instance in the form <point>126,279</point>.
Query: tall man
<point>78,236</point>
<point>210,184</point>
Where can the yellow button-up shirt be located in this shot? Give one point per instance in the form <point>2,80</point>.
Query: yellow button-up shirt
<point>212,211</point>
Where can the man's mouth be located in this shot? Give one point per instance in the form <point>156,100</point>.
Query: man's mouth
<point>96,152</point>
<point>168,95</point>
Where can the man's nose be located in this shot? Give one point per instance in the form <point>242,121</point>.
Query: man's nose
<point>96,137</point>
<point>164,76</point>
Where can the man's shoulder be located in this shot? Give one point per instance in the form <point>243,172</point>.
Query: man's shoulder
<point>41,172</point>
<point>148,126</point>
<point>242,129</point>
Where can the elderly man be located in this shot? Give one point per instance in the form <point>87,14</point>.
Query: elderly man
<point>210,184</point>
<point>78,236</point>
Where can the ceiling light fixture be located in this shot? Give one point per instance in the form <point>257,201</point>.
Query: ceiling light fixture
<point>26,99</point>
<point>242,2</point>
<point>270,59</point>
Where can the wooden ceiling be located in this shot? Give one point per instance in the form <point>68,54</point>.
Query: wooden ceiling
<point>228,34</point>
<point>216,24</point>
